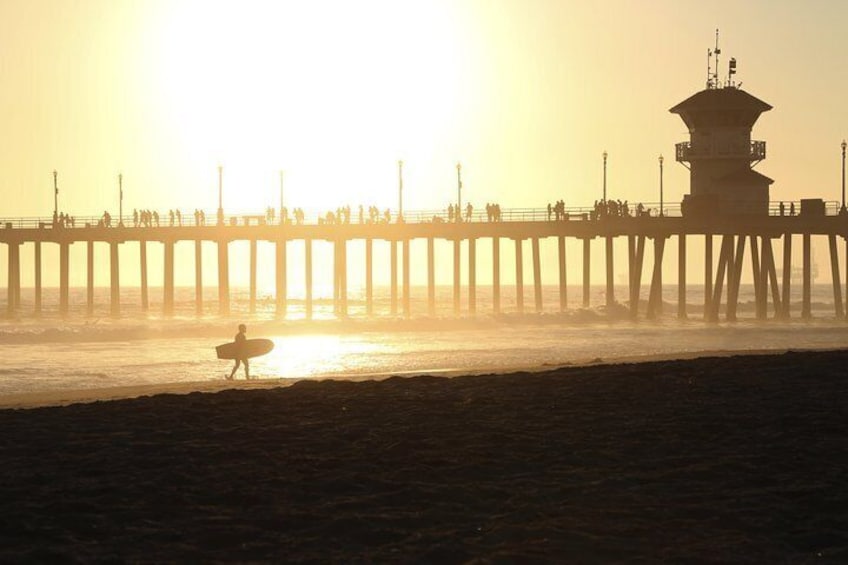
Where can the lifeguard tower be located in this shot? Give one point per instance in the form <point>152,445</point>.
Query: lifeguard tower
<point>720,154</point>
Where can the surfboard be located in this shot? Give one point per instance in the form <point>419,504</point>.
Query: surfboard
<point>250,348</point>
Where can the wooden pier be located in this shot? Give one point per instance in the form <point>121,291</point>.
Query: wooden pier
<point>728,235</point>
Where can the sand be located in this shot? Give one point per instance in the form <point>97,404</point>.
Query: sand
<point>723,459</point>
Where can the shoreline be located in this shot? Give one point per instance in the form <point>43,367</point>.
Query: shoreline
<point>66,397</point>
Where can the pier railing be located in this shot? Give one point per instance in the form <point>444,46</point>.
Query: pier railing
<point>315,216</point>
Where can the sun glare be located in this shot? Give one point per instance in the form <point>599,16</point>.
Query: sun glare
<point>327,91</point>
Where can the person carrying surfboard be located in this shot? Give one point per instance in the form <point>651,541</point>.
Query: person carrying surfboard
<point>241,357</point>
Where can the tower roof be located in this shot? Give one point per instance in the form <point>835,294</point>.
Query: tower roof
<point>704,107</point>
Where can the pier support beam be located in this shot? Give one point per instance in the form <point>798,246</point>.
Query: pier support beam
<point>760,293</point>
<point>587,253</point>
<point>537,275</point>
<point>496,275</point>
<point>168,286</point>
<point>456,278</point>
<point>252,300</point>
<point>407,299</point>
<point>89,278</point>
<point>431,277</point>
<point>787,274</point>
<point>563,277</point>
<point>724,260</point>
<point>394,277</point>
<point>655,295</point>
<point>343,276</point>
<point>636,257</point>
<point>770,276</point>
<point>145,304</point>
<point>369,277</point>
<point>13,289</point>
<point>837,281</point>
<point>472,276</point>
<point>223,278</point>
<point>734,279</point>
<point>281,279</point>
<point>806,308</point>
<point>519,277</point>
<point>708,275</point>
<point>681,276</point>
<point>307,243</point>
<point>610,291</point>
<point>198,277</point>
<point>64,277</point>
<point>37,278</point>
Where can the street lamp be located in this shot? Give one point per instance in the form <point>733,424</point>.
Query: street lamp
<point>458,213</point>
<point>605,175</point>
<point>121,199</point>
<point>844,145</point>
<point>661,185</point>
<point>56,197</point>
<point>400,191</point>
<point>220,195</point>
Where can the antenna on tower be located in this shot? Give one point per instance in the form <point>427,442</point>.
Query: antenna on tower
<point>712,71</point>
<point>717,52</point>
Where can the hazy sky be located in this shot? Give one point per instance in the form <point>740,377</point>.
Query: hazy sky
<point>526,94</point>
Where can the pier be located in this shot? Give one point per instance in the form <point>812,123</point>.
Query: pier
<point>730,237</point>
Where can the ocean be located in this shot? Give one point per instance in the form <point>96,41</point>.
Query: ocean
<point>51,354</point>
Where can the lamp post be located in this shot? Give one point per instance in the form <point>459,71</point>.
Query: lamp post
<point>400,191</point>
<point>605,175</point>
<point>121,199</point>
<point>844,145</point>
<point>458,213</point>
<point>56,197</point>
<point>220,195</point>
<point>661,185</point>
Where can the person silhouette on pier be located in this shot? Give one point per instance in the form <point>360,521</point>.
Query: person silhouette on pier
<point>240,358</point>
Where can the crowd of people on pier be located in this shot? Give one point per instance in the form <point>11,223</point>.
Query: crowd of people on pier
<point>63,220</point>
<point>343,215</point>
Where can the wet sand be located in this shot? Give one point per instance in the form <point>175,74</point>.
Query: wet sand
<point>723,459</point>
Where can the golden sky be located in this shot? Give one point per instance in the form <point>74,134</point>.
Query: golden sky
<point>526,94</point>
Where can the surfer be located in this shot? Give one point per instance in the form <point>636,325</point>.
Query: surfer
<point>241,357</point>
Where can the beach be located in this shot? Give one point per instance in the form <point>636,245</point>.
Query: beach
<point>736,459</point>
